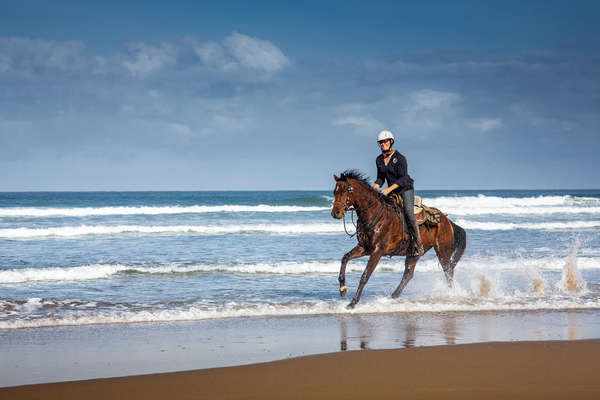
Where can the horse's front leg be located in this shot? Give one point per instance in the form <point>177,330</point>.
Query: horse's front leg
<point>371,264</point>
<point>409,270</point>
<point>356,252</point>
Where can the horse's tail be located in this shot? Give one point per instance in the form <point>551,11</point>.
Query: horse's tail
<point>459,243</point>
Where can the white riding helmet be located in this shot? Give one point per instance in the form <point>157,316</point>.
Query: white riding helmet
<point>383,135</point>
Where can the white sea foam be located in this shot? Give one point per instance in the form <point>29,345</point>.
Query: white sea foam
<point>288,229</point>
<point>524,211</point>
<point>396,265</point>
<point>505,226</point>
<point>145,210</point>
<point>67,231</point>
<point>453,205</point>
<point>494,205</point>
<point>79,313</point>
<point>496,201</point>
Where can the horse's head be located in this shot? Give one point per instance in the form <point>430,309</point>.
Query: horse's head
<point>342,197</point>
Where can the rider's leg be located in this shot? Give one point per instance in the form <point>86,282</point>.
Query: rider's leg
<point>408,200</point>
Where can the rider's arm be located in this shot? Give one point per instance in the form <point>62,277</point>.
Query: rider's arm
<point>389,189</point>
<point>402,172</point>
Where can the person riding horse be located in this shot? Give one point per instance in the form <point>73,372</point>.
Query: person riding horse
<point>392,167</point>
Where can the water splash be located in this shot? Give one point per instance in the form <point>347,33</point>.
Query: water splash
<point>537,280</point>
<point>572,280</point>
<point>485,285</point>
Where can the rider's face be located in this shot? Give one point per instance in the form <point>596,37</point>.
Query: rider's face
<point>385,145</point>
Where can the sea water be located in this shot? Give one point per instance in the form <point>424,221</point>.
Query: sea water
<point>129,257</point>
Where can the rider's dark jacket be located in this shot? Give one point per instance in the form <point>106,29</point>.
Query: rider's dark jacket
<point>395,172</point>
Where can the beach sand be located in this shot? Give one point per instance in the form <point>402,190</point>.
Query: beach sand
<point>75,353</point>
<point>519,370</point>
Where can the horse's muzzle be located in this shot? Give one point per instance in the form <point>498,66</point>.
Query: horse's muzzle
<point>337,213</point>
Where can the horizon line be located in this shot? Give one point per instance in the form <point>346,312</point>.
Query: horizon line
<point>275,190</point>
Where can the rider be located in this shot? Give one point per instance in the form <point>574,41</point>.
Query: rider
<point>391,166</point>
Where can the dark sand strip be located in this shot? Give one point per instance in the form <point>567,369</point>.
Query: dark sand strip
<point>518,370</point>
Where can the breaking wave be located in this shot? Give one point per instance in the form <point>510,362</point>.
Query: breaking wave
<point>539,205</point>
<point>103,271</point>
<point>281,229</point>
<point>454,205</point>
<point>82,230</point>
<point>104,211</point>
<point>505,226</point>
<point>73,312</point>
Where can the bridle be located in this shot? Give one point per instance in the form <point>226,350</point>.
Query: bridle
<point>346,205</point>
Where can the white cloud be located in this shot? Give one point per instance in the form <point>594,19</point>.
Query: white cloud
<point>179,128</point>
<point>255,53</point>
<point>27,55</point>
<point>215,56</point>
<point>239,52</point>
<point>486,124</point>
<point>424,100</point>
<point>420,114</point>
<point>428,111</point>
<point>359,124</point>
<point>147,59</point>
<point>5,62</point>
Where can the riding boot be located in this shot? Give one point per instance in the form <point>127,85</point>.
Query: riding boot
<point>417,245</point>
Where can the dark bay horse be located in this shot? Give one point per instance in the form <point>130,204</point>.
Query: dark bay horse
<point>382,232</point>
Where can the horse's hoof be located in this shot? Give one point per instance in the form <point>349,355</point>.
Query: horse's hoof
<point>343,290</point>
<point>351,305</point>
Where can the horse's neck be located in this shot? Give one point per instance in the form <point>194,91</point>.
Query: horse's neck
<point>364,203</point>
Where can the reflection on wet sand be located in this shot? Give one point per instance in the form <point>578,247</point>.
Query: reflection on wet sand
<point>573,326</point>
<point>410,329</point>
<point>407,330</point>
<point>449,328</point>
<point>358,332</point>
<point>364,331</point>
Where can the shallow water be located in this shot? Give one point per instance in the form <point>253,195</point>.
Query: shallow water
<point>120,257</point>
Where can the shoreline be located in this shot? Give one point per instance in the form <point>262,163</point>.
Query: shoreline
<point>44,355</point>
<point>540,369</point>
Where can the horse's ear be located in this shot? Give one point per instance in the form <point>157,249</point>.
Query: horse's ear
<point>335,177</point>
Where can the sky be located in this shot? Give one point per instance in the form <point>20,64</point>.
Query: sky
<point>272,95</point>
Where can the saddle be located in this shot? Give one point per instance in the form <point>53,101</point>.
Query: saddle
<point>423,214</point>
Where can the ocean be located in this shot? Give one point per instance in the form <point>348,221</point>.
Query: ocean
<point>96,258</point>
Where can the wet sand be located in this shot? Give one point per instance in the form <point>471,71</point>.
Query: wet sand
<point>523,370</point>
<point>32,356</point>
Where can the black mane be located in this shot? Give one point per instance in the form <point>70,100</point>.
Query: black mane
<point>355,174</point>
<point>362,178</point>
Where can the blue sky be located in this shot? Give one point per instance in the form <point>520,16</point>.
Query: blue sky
<point>269,95</point>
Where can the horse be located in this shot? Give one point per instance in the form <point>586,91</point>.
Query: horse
<point>382,231</point>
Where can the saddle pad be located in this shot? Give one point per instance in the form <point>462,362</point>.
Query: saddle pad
<point>421,216</point>
<point>418,204</point>
<point>426,214</point>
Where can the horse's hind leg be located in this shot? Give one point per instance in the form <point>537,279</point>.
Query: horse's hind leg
<point>444,253</point>
<point>409,270</point>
